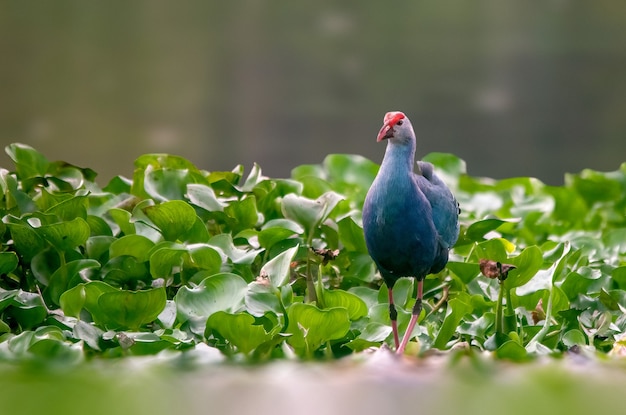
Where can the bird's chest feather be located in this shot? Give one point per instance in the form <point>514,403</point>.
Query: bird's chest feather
<point>398,210</point>
<point>399,230</point>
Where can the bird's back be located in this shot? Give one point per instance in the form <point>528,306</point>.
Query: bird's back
<point>445,212</point>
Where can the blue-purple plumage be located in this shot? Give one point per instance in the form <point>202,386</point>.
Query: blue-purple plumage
<point>445,212</point>
<point>398,223</point>
<point>410,219</point>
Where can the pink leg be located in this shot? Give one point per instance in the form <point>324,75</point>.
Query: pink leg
<point>393,316</point>
<point>417,309</point>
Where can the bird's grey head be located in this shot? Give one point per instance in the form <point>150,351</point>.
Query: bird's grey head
<point>397,128</point>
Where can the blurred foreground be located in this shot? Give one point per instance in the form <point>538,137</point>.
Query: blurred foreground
<point>375,383</point>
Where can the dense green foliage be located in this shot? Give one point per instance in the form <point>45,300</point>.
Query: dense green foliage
<point>263,268</point>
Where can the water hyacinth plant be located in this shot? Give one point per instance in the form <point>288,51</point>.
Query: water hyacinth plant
<point>261,268</point>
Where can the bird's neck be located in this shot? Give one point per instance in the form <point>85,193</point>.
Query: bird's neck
<point>399,158</point>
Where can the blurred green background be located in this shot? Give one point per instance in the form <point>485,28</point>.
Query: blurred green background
<point>372,387</point>
<point>516,88</point>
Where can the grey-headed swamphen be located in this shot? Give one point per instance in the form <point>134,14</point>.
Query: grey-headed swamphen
<point>410,219</point>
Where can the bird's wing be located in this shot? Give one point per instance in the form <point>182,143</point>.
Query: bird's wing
<point>444,205</point>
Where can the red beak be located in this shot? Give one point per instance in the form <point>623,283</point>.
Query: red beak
<point>385,132</point>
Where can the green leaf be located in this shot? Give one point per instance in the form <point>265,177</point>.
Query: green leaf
<point>615,240</point>
<point>54,350</point>
<point>137,246</point>
<point>402,292</point>
<point>540,281</point>
<point>277,230</point>
<point>457,309</point>
<point>4,328</point>
<point>163,176</point>
<point>242,213</point>
<point>368,295</point>
<point>204,197</point>
<point>16,197</point>
<point>74,207</point>
<point>27,309</point>
<point>278,269</point>
<point>477,230</point>
<point>576,283</point>
<point>239,329</point>
<point>608,301</point>
<point>619,276</point>
<point>254,178</point>
<point>313,187</point>
<point>27,240</point>
<point>350,169</point>
<point>28,161</point>
<point>146,343</point>
<point>88,333</point>
<point>375,332</point>
<point>512,350</point>
<point>595,186</point>
<point>203,256</point>
<point>262,298</point>
<point>122,218</point>
<point>311,327</point>
<point>308,170</point>
<point>446,162</point>
<point>124,271</point>
<point>225,182</point>
<point>479,327</point>
<point>198,233</point>
<point>8,262</point>
<point>165,184</point>
<point>72,177</point>
<point>72,301</point>
<point>118,185</point>
<point>573,338</point>
<point>351,235</point>
<point>464,270</point>
<point>60,279</point>
<point>220,292</point>
<point>98,226</point>
<point>65,236</point>
<point>358,267</point>
<point>164,161</point>
<point>527,265</point>
<point>131,309</point>
<point>569,206</point>
<point>86,296</point>
<point>48,198</point>
<point>173,218</point>
<point>496,249</point>
<point>164,257</point>
<point>307,212</point>
<point>167,318</point>
<point>339,298</point>
<point>224,243</point>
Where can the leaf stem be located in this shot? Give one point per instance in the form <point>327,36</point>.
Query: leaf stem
<point>444,298</point>
<point>319,288</point>
<point>312,296</point>
<point>499,313</point>
<point>329,351</point>
<point>532,344</point>
<point>310,286</point>
<point>510,323</point>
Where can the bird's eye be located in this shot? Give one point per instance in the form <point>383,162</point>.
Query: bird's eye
<point>399,122</point>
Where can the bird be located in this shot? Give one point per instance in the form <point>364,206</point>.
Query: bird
<point>410,217</point>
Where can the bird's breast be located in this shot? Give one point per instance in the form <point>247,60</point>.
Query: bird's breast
<point>397,218</point>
